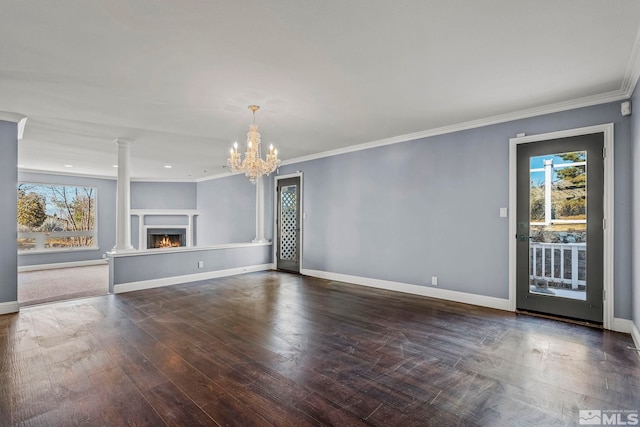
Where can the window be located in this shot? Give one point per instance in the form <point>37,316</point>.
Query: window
<point>55,217</point>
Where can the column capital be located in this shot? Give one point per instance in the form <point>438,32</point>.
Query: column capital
<point>122,142</point>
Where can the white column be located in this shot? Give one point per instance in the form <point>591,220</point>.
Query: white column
<point>189,241</point>
<point>259,211</point>
<point>142,236</point>
<point>548,177</point>
<point>123,199</point>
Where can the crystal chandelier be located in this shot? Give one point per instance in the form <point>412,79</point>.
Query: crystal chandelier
<point>253,165</point>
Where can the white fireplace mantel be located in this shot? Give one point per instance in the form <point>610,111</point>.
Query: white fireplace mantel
<point>142,228</point>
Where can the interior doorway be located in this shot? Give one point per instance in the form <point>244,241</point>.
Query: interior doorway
<point>288,223</point>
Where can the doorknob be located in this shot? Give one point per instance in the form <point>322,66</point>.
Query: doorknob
<point>523,237</point>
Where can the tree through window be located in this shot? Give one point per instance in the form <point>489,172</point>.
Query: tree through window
<point>55,217</point>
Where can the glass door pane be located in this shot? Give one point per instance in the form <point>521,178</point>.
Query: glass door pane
<point>289,223</point>
<point>558,225</point>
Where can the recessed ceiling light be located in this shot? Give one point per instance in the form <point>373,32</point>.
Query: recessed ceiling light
<point>115,166</point>
<point>68,166</point>
<point>168,166</point>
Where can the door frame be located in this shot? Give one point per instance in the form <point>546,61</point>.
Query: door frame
<point>608,211</point>
<point>275,217</point>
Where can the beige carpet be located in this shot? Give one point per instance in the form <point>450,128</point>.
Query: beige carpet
<point>36,287</point>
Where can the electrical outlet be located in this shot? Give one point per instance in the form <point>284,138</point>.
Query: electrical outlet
<point>200,264</point>
<point>434,280</point>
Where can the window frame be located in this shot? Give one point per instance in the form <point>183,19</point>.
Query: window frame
<point>92,233</point>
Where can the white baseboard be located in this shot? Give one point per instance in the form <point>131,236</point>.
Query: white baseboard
<point>635,334</point>
<point>627,327</point>
<point>9,307</point>
<point>622,325</point>
<point>62,265</point>
<point>175,280</point>
<point>463,297</point>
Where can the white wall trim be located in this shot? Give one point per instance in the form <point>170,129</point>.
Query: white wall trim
<point>608,242</point>
<point>444,294</point>
<point>627,327</point>
<point>635,334</point>
<point>175,280</point>
<point>9,307</point>
<point>62,265</point>
<point>165,212</point>
<point>622,325</point>
<point>628,85</point>
<point>66,174</point>
<point>22,124</point>
<point>107,177</point>
<point>8,116</point>
<point>588,101</point>
<point>632,73</point>
<point>159,251</point>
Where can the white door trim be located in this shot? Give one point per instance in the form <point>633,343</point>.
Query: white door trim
<point>275,216</point>
<point>608,237</point>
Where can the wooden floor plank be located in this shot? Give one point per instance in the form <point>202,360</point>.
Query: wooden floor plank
<point>272,348</point>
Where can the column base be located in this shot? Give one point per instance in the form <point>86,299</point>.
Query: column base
<point>122,250</point>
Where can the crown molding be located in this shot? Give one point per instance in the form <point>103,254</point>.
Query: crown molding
<point>632,73</point>
<point>107,177</point>
<point>11,117</point>
<point>587,101</point>
<point>217,176</point>
<point>188,180</point>
<point>67,174</point>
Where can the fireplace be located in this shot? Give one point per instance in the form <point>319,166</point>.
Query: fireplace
<point>166,237</point>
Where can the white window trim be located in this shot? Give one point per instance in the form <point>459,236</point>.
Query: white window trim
<point>96,245</point>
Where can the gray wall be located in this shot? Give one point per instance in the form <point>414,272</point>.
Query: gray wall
<point>163,195</point>
<point>8,197</point>
<point>106,200</point>
<point>635,162</point>
<point>430,207</point>
<point>136,268</point>
<point>228,210</point>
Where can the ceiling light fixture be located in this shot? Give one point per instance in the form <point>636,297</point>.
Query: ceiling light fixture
<point>168,166</point>
<point>253,165</point>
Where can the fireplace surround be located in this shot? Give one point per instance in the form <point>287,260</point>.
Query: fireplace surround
<point>164,221</point>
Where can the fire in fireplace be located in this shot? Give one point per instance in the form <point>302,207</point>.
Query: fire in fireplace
<point>165,238</point>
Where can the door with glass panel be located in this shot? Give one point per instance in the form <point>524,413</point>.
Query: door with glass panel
<point>560,186</point>
<point>288,224</point>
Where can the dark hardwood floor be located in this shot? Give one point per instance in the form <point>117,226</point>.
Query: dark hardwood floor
<point>278,349</point>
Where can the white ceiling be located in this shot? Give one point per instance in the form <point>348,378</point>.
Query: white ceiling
<point>175,78</point>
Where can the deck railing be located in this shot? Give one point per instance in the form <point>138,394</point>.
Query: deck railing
<point>549,263</point>
<point>39,240</point>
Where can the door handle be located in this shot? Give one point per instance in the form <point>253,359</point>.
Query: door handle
<point>523,237</point>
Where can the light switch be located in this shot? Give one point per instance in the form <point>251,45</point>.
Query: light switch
<point>503,212</point>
